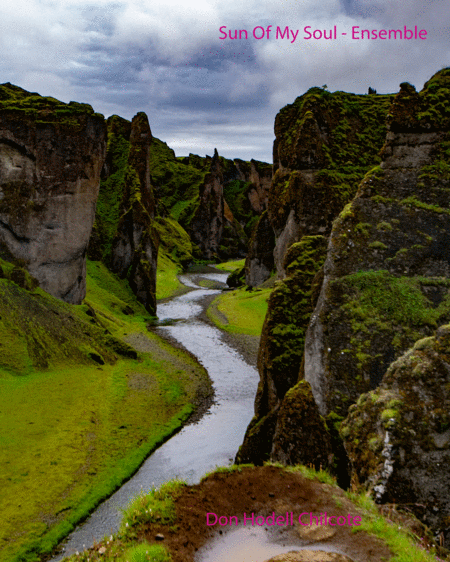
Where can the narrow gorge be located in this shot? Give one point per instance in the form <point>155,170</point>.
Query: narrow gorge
<point>135,285</point>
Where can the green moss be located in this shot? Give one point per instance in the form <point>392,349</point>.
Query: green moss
<point>42,109</point>
<point>413,201</point>
<point>290,308</point>
<point>384,226</point>
<point>363,229</point>
<point>174,240</point>
<point>177,183</point>
<point>377,245</point>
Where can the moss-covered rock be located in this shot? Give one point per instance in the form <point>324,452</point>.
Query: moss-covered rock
<point>259,262</point>
<point>301,435</point>
<point>236,277</point>
<point>325,143</point>
<point>385,277</point>
<point>216,200</point>
<point>398,436</point>
<point>124,237</point>
<point>281,348</point>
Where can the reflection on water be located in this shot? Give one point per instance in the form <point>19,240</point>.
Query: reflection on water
<point>254,544</point>
<point>197,448</point>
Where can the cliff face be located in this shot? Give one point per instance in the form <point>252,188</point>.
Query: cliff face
<point>206,227</point>
<point>398,436</point>
<point>124,235</point>
<point>216,200</point>
<point>384,285</point>
<point>319,158</point>
<point>385,278</point>
<point>51,156</point>
<point>324,145</point>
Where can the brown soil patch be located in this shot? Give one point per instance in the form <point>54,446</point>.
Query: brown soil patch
<point>262,491</point>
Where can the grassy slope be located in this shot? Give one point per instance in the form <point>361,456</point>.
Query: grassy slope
<point>231,265</point>
<point>76,427</point>
<point>240,311</point>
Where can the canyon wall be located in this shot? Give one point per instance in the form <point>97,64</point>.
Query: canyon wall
<point>51,156</point>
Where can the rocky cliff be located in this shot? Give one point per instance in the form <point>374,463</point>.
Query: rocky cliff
<point>216,200</point>
<point>51,156</point>
<point>398,436</point>
<point>124,235</point>
<point>385,277</point>
<point>383,286</point>
<point>324,144</point>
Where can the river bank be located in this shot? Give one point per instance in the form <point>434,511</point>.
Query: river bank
<point>198,447</point>
<point>82,426</point>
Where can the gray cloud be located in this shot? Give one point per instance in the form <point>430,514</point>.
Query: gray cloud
<point>201,92</point>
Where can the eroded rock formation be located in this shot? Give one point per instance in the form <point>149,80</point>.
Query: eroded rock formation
<point>51,156</point>
<point>386,273</point>
<point>324,144</point>
<point>398,436</point>
<point>124,234</point>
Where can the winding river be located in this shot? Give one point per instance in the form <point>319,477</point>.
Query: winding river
<point>199,447</point>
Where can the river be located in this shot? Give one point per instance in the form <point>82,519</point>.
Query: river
<point>199,447</point>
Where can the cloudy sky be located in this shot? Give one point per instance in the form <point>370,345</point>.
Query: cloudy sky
<point>200,91</point>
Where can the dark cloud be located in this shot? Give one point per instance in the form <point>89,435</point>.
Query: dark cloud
<point>166,57</point>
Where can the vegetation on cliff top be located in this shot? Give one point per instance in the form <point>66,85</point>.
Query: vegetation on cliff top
<point>336,135</point>
<point>42,109</point>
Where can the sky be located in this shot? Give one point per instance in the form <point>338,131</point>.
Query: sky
<point>200,90</point>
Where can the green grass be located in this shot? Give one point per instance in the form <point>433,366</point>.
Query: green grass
<point>403,544</point>
<point>146,552</point>
<point>78,428</point>
<point>231,265</point>
<point>167,284</point>
<point>240,311</point>
<point>151,507</point>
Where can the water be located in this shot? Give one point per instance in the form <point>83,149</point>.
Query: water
<point>197,448</point>
<point>255,544</point>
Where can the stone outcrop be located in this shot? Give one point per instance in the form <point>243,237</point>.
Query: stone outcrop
<point>301,434</point>
<point>124,235</point>
<point>51,156</point>
<point>216,200</point>
<point>383,286</point>
<point>281,349</point>
<point>324,144</point>
<point>386,273</point>
<point>206,227</point>
<point>398,436</point>
<point>259,262</point>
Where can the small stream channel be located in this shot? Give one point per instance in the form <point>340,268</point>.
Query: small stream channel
<point>197,448</point>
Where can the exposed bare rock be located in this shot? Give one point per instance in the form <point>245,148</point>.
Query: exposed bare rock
<point>51,156</point>
<point>207,225</point>
<point>259,262</point>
